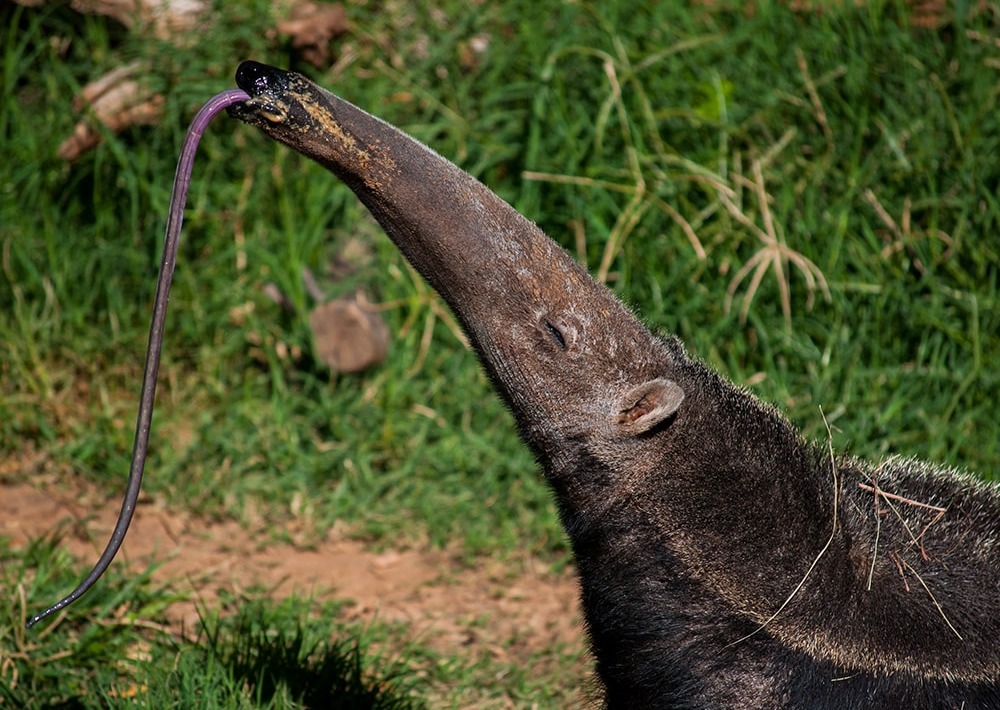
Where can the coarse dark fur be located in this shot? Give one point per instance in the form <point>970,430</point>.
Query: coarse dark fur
<point>724,562</point>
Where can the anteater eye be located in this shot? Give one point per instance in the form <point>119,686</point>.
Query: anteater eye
<point>556,335</point>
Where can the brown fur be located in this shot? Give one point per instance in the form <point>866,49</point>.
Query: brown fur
<point>724,562</point>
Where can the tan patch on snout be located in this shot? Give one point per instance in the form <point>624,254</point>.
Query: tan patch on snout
<point>374,166</point>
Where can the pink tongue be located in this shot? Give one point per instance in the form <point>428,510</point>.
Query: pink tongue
<point>182,180</point>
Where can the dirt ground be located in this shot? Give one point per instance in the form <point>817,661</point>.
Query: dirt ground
<point>510,613</point>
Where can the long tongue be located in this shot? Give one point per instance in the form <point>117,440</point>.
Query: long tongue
<point>182,180</point>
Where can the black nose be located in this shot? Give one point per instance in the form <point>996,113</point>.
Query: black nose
<point>255,78</point>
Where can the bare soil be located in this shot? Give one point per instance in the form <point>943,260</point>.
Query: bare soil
<point>513,613</point>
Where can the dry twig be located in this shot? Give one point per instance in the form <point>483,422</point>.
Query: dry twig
<point>916,540</point>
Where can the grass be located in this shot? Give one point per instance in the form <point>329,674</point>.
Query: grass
<point>121,653</point>
<point>119,649</point>
<point>808,198</point>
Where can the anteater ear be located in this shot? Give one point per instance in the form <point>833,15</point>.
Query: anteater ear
<point>645,406</point>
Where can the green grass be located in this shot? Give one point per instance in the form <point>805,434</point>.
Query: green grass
<point>118,649</point>
<point>119,653</point>
<point>876,142</point>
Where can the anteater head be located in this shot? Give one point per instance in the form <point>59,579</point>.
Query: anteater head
<point>572,363</point>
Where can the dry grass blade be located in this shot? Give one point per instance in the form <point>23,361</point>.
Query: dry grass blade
<point>627,221</point>
<point>889,497</point>
<point>681,222</point>
<point>428,304</point>
<point>817,105</point>
<point>937,604</point>
<point>618,70</point>
<point>774,253</point>
<point>901,237</point>
<point>916,540</point>
<point>630,216</point>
